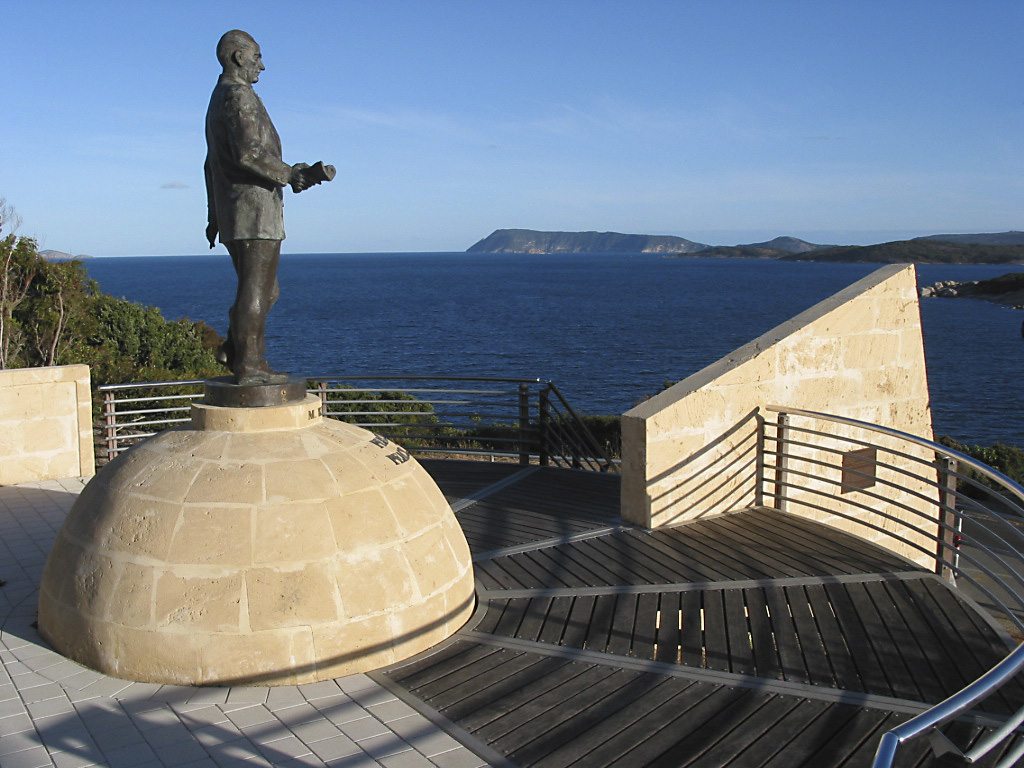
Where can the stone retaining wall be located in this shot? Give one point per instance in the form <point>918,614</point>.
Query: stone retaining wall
<point>45,424</point>
<point>692,450</point>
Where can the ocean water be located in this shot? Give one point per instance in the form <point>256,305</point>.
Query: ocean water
<point>609,330</point>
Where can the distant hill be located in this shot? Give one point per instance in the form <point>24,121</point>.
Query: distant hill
<point>533,241</point>
<point>919,251</point>
<point>991,238</point>
<point>51,255</point>
<point>789,245</point>
<point>992,248</point>
<point>778,248</point>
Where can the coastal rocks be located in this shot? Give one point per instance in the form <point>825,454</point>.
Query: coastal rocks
<point>946,289</point>
<point>1007,290</point>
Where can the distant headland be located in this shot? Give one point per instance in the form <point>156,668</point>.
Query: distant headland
<point>51,255</point>
<point>983,248</point>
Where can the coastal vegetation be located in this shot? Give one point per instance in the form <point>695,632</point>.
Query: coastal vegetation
<point>52,313</point>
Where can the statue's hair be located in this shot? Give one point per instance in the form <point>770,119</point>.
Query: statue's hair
<point>231,41</point>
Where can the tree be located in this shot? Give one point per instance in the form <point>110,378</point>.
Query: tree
<point>51,313</point>
<point>18,266</point>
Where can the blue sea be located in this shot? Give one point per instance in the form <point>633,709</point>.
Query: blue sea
<point>609,330</point>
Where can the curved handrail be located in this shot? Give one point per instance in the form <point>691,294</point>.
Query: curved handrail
<point>995,677</point>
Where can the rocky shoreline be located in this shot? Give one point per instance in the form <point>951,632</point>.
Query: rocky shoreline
<point>1007,290</point>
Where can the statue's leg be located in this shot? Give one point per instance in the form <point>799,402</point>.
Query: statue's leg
<point>255,264</point>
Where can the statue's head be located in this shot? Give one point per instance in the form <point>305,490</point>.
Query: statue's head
<point>240,55</point>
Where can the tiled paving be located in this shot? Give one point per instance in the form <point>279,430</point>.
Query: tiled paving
<point>54,712</point>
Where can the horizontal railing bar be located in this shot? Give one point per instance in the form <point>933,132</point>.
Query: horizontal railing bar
<point>963,458</point>
<point>170,409</point>
<point>115,387</point>
<point>1009,612</point>
<point>388,377</point>
<point>134,424</point>
<point>154,399</point>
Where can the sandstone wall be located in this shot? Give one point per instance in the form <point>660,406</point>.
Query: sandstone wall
<point>45,424</point>
<point>693,450</point>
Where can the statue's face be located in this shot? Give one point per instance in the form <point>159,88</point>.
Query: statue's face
<point>250,63</point>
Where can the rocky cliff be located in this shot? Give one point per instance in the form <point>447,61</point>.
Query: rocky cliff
<point>532,241</point>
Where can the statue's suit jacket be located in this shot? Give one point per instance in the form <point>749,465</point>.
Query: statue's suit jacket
<point>244,170</point>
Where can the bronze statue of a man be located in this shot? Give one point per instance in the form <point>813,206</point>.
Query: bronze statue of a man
<point>245,176</point>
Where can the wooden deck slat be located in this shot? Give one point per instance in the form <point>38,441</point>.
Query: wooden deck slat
<point>930,622</point>
<point>630,724</point>
<point>814,554</point>
<point>765,650</point>
<point>495,609</point>
<point>434,668</point>
<point>865,637</point>
<point>783,561</point>
<point>792,665</point>
<point>578,624</point>
<point>719,547</point>
<point>812,646</point>
<point>633,570</point>
<point>831,739</point>
<point>670,634</point>
<point>556,620</point>
<point>491,685</point>
<point>771,711</point>
<point>539,736</point>
<point>536,702</point>
<point>600,624</point>
<point>596,712</point>
<point>698,739</point>
<point>692,634</point>
<point>893,647</point>
<point>645,631</point>
<point>908,637</point>
<point>547,675</point>
<point>741,654</point>
<point>534,618</point>
<point>512,617</point>
<point>624,619</point>
<point>832,640</point>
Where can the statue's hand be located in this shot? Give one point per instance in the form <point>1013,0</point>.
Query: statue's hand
<point>298,180</point>
<point>211,233</point>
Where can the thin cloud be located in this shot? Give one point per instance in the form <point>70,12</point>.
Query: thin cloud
<point>174,185</point>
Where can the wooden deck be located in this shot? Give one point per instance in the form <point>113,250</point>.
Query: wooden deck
<point>752,639</point>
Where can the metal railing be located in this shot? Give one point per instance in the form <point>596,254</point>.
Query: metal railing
<point>942,506</point>
<point>519,419</point>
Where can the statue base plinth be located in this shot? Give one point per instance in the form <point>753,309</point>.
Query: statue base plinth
<point>257,546</point>
<point>224,392</point>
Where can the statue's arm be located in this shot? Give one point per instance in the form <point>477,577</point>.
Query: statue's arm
<point>212,227</point>
<point>246,137</point>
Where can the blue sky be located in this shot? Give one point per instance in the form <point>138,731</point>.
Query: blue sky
<point>721,121</point>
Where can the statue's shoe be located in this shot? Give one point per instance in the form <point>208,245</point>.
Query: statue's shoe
<point>260,376</point>
<point>226,353</point>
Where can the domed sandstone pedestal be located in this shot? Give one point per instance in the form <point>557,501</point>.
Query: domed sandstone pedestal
<point>262,546</point>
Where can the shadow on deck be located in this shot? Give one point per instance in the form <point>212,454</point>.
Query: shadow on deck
<point>752,639</point>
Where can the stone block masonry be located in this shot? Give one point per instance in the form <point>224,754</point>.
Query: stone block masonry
<point>45,424</point>
<point>692,450</point>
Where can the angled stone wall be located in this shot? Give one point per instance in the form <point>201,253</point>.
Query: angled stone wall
<point>45,424</point>
<point>692,451</point>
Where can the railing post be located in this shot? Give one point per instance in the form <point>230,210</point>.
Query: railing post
<point>543,424</point>
<point>759,485</point>
<point>524,423</point>
<point>781,462</point>
<point>321,391</point>
<point>950,535</point>
<point>110,424</point>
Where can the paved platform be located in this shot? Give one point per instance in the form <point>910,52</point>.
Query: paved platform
<point>54,712</point>
<point>745,640</point>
